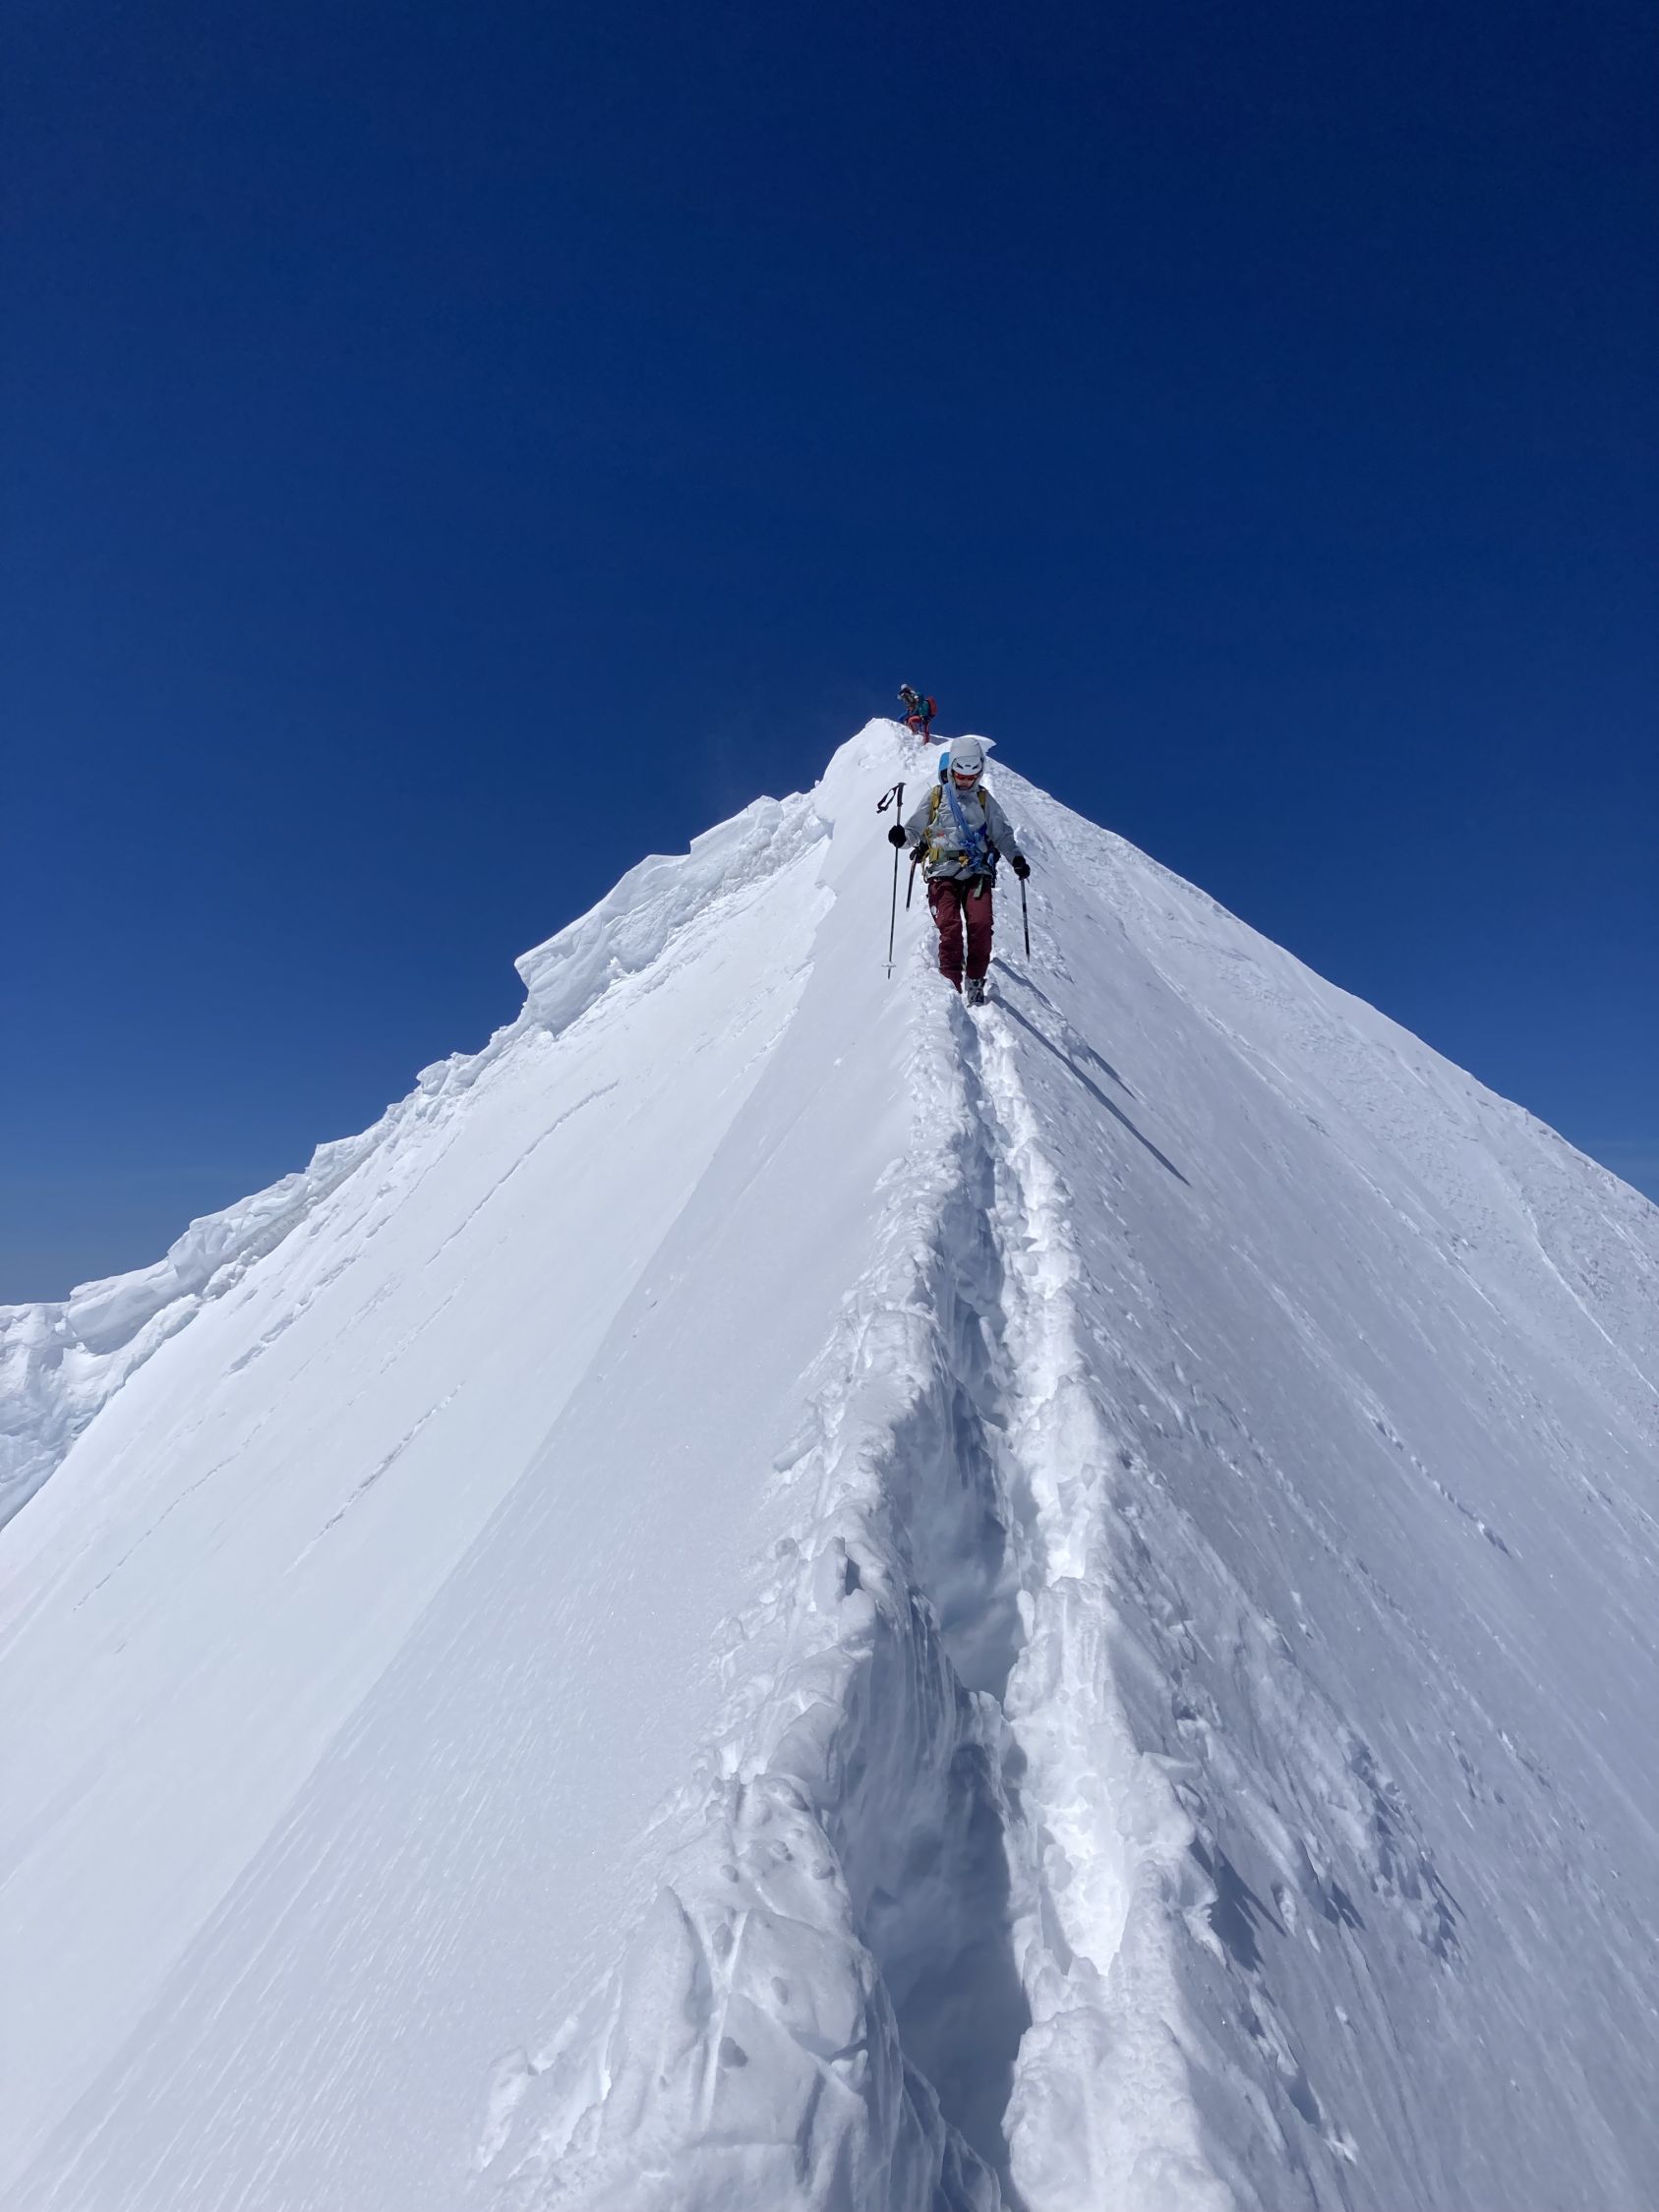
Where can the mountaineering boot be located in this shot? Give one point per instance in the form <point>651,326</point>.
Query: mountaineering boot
<point>974,990</point>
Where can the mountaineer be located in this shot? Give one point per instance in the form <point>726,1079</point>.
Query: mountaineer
<point>957,833</point>
<point>919,712</point>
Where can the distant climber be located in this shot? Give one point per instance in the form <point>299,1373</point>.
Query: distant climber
<point>919,712</point>
<point>957,833</point>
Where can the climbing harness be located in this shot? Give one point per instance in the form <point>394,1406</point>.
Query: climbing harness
<point>977,848</point>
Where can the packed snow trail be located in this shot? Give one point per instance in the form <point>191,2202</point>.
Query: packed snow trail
<point>786,1596</point>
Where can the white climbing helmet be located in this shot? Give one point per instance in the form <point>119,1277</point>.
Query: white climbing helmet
<point>968,759</point>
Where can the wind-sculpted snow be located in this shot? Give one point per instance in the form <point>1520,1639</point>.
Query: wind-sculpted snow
<point>60,1362</point>
<point>631,928</point>
<point>787,1598</point>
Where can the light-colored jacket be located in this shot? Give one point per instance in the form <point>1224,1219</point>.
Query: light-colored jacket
<point>934,830</point>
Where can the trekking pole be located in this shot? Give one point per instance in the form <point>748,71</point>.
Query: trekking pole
<point>888,799</point>
<point>892,918</point>
<point>910,887</point>
<point>1024,917</point>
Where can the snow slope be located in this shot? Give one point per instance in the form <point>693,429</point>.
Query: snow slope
<point>773,1594</point>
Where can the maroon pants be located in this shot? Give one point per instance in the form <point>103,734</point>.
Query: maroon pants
<point>957,906</point>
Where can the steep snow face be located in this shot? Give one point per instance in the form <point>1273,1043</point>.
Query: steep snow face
<point>60,1362</point>
<point>774,1594</point>
<point>1363,1535</point>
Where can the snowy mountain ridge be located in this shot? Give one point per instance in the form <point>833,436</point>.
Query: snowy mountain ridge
<point>1048,1608</point>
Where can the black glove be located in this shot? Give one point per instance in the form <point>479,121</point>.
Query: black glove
<point>1021,866</point>
<point>895,835</point>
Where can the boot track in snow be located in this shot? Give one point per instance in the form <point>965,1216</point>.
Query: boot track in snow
<point>901,1910</point>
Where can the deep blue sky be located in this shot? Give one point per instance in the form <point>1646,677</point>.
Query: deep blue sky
<point>453,450</point>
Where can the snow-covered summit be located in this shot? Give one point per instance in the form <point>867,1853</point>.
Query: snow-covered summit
<point>772,1595</point>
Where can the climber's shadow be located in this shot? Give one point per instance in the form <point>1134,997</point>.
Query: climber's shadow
<point>1017,975</point>
<point>1088,1082</point>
